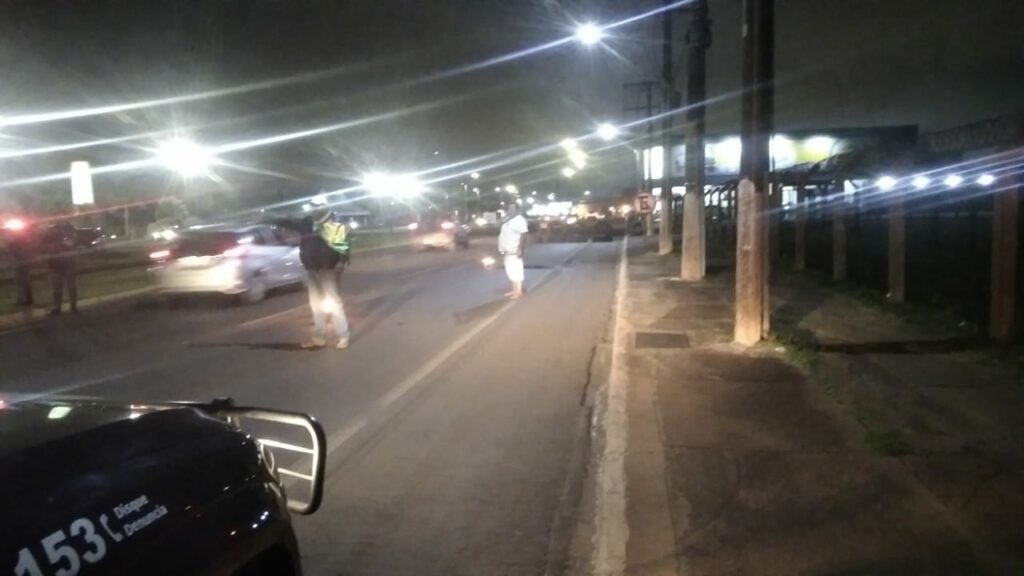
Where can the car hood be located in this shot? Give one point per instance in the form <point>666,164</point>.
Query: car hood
<point>138,472</point>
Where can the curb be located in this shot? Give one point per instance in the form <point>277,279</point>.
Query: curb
<point>35,315</point>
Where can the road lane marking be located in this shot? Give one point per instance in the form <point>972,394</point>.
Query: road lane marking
<point>345,434</point>
<point>611,530</point>
<point>408,383</point>
<point>271,317</point>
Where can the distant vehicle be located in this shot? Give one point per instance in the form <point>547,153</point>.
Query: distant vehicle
<point>92,487</point>
<point>439,232</point>
<point>89,237</point>
<point>247,261</point>
<point>603,231</point>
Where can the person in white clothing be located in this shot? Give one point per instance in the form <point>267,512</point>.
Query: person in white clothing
<point>511,241</point>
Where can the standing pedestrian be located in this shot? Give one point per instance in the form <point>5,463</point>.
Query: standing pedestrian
<point>19,241</point>
<point>59,246</point>
<point>511,242</point>
<point>323,250</point>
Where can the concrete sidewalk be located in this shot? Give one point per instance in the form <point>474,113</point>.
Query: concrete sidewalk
<point>759,469</point>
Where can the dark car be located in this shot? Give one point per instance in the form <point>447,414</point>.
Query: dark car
<point>89,237</point>
<point>439,232</point>
<point>91,487</point>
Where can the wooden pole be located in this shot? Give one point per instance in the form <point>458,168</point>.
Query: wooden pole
<point>1005,239</point>
<point>897,252</point>
<point>839,233</point>
<point>800,232</point>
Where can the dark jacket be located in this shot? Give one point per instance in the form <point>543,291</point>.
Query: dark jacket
<point>59,245</point>
<point>314,253</point>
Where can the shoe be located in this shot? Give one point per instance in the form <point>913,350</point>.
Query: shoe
<point>314,343</point>
<point>342,344</point>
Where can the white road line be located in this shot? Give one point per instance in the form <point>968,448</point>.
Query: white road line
<point>611,529</point>
<point>345,434</point>
<point>270,317</point>
<point>402,388</point>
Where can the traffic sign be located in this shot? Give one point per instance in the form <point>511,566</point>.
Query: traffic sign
<point>644,203</point>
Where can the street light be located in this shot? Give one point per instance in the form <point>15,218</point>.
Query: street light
<point>475,175</point>
<point>986,179</point>
<point>184,156</point>
<point>586,192</point>
<point>953,180</point>
<point>607,132</point>
<point>568,144</point>
<point>568,172</point>
<point>578,159</point>
<point>589,34</point>
<point>398,185</point>
<point>886,182</point>
<point>921,182</point>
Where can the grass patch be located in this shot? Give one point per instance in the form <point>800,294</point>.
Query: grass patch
<point>90,285</point>
<point>378,238</point>
<point>798,352</point>
<point>887,442</point>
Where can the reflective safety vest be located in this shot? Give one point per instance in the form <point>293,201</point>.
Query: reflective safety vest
<point>335,234</point>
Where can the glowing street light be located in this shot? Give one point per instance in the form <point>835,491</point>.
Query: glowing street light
<point>398,185</point>
<point>184,156</point>
<point>921,182</point>
<point>551,196</point>
<point>568,172</point>
<point>607,132</point>
<point>475,175</point>
<point>568,144</point>
<point>586,192</point>
<point>953,180</point>
<point>886,182</point>
<point>986,179</point>
<point>511,189</point>
<point>578,159</point>
<point>589,34</point>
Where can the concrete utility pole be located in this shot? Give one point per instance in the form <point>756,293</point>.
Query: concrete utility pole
<point>693,263</point>
<point>1005,239</point>
<point>668,105</point>
<point>752,297</point>
<point>647,111</point>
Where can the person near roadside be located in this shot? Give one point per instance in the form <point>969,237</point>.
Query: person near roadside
<point>59,246</point>
<point>19,241</point>
<point>324,257</point>
<point>511,242</point>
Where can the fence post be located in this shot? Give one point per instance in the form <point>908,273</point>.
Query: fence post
<point>897,251</point>
<point>1005,238</point>
<point>839,232</point>
<point>800,232</point>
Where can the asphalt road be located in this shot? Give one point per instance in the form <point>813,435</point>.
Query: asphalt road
<point>456,421</point>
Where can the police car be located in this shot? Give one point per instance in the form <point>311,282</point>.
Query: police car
<point>91,487</point>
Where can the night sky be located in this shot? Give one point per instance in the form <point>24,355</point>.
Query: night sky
<point>839,62</point>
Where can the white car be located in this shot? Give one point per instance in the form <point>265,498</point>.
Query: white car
<point>247,261</point>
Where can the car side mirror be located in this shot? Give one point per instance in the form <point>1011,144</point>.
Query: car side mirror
<point>294,447</point>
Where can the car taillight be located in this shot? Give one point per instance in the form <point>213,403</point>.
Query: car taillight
<point>235,252</point>
<point>447,225</point>
<point>14,224</point>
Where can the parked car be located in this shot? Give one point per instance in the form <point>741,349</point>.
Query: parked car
<point>247,261</point>
<point>93,487</point>
<point>439,232</point>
